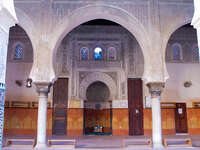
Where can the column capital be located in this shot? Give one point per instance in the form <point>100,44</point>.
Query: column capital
<point>155,88</point>
<point>43,87</point>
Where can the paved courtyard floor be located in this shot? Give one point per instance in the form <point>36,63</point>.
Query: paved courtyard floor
<point>108,142</point>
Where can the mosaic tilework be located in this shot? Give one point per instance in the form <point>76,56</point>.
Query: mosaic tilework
<point>2,99</point>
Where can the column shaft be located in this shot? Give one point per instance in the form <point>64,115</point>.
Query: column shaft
<point>156,123</point>
<point>43,90</point>
<point>42,118</point>
<point>3,60</point>
<point>155,90</point>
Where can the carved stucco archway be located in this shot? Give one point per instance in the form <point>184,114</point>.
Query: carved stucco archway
<point>111,13</point>
<point>97,76</point>
<point>26,23</point>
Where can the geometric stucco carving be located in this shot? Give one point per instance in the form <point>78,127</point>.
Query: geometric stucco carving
<point>98,76</point>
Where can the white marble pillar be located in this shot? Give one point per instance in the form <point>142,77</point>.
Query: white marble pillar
<point>42,90</point>
<point>155,90</point>
<point>196,19</point>
<point>8,19</point>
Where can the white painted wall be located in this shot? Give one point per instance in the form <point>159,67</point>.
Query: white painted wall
<point>19,71</point>
<point>179,73</point>
<point>174,90</point>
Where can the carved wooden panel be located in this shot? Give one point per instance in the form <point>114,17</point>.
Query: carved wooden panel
<point>135,107</point>
<point>60,102</point>
<point>181,118</point>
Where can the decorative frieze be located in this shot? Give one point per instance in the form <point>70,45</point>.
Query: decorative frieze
<point>75,104</point>
<point>120,104</point>
<point>97,76</point>
<point>97,105</point>
<point>138,9</point>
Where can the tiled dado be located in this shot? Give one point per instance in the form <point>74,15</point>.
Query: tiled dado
<point>120,123</point>
<point>193,115</point>
<point>24,121</point>
<point>75,122</point>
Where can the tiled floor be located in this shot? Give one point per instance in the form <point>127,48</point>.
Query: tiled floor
<point>109,142</point>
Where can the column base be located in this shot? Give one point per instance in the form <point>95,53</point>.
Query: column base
<point>158,145</point>
<point>40,146</point>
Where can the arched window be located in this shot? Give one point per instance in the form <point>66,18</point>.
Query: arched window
<point>84,53</point>
<point>18,51</point>
<point>176,51</point>
<point>111,53</point>
<point>98,53</point>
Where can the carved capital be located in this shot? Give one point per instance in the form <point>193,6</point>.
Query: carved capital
<point>155,88</point>
<point>43,88</point>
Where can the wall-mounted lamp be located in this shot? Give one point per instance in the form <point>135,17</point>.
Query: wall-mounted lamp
<point>29,83</point>
<point>18,82</point>
<point>187,84</point>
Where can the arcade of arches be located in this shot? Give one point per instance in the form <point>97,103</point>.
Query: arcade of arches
<point>99,68</point>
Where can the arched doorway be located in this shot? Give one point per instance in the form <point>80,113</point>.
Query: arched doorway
<point>98,110</point>
<point>182,61</point>
<point>104,51</point>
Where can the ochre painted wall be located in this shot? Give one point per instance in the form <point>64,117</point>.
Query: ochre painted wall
<point>193,115</point>
<point>24,121</point>
<point>75,122</point>
<point>120,124</point>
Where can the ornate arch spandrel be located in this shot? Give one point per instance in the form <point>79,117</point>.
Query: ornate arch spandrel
<point>97,76</point>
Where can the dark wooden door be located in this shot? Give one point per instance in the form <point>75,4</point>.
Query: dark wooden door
<point>60,102</point>
<point>181,118</point>
<point>135,106</point>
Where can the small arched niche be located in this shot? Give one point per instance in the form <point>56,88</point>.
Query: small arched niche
<point>97,92</point>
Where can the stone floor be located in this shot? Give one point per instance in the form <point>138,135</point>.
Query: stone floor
<point>109,142</point>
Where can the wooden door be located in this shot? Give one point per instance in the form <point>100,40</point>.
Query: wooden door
<point>60,102</point>
<point>181,118</point>
<point>135,106</point>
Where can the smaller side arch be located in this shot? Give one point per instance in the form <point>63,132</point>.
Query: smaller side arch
<point>166,36</point>
<point>25,22</point>
<point>172,28</point>
<point>97,76</point>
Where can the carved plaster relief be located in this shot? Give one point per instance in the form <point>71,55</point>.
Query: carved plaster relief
<point>97,76</point>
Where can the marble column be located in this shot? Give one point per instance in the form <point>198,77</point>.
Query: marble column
<point>155,89</point>
<point>3,59</point>
<point>42,90</point>
<point>196,19</point>
<point>8,19</point>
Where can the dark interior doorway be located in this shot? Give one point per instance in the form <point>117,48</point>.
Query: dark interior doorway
<point>98,110</point>
<point>135,106</point>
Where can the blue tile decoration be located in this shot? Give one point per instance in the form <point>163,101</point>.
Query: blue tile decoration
<point>2,100</point>
<point>1,125</point>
